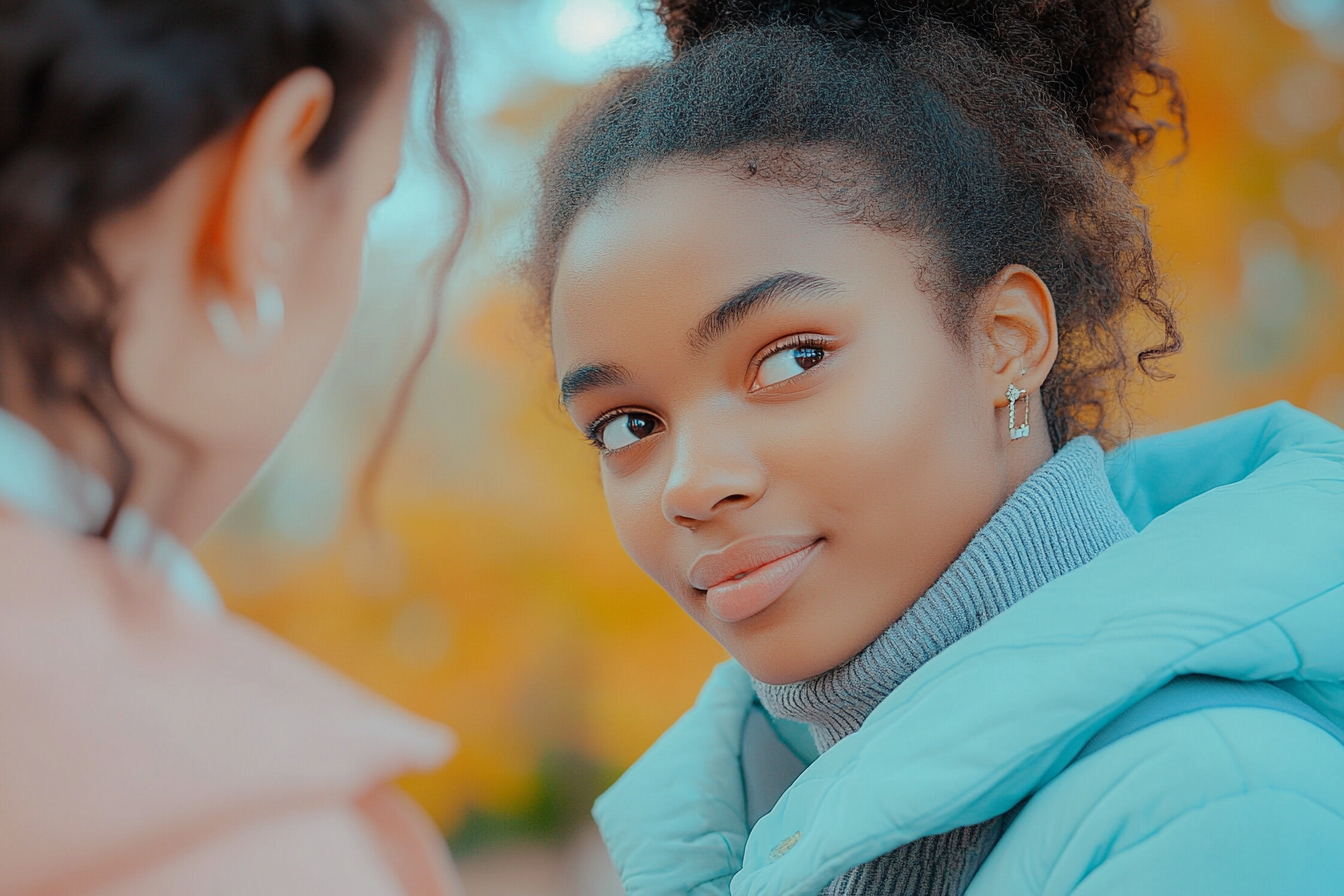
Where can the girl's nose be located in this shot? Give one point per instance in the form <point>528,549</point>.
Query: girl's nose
<point>710,476</point>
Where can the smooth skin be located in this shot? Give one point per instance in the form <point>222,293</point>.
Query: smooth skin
<point>242,212</point>
<point>836,410</point>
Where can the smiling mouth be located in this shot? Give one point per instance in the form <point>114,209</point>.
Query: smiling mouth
<point>745,594</point>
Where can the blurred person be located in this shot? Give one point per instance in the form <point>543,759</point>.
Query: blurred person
<point>843,294</point>
<point>184,191</point>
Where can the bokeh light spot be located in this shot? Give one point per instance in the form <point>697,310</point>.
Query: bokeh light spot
<point>584,26</point>
<point>1273,282</point>
<point>1312,194</point>
<point>1309,15</point>
<point>1310,97</point>
<point>421,634</point>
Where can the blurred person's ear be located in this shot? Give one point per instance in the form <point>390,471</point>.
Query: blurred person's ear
<point>242,233</point>
<point>236,280</point>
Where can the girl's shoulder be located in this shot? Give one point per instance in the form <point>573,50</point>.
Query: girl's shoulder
<point>1275,445</point>
<point>1223,799</point>
<point>140,733</point>
<point>676,821</point>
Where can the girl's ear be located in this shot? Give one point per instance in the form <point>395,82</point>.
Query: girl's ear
<point>1022,333</point>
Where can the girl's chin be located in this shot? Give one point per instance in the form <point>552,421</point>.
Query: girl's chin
<point>778,647</point>
<point>780,665</point>
<point>793,650</point>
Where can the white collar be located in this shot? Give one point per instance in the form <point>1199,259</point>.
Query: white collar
<point>38,480</point>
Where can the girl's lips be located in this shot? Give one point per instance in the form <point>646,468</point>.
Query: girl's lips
<point>739,599</point>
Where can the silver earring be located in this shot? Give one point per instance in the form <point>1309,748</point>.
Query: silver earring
<point>270,323</point>
<point>1015,431</point>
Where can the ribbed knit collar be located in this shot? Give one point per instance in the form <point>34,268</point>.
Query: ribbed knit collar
<point>1061,517</point>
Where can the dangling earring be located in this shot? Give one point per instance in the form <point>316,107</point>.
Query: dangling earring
<point>1015,431</point>
<point>270,323</point>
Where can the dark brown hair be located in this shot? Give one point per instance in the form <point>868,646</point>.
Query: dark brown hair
<point>992,133</point>
<point>100,100</point>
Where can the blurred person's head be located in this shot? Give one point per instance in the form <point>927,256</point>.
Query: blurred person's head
<point>795,276</point>
<point>184,191</point>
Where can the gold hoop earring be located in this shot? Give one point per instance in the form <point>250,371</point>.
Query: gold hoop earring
<point>270,323</point>
<point>1014,431</point>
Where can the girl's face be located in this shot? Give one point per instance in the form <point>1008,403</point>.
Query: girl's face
<point>791,444</point>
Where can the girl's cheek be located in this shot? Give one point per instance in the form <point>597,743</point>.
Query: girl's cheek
<point>636,514</point>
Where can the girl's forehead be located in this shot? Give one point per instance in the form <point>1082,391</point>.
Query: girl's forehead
<point>674,216</point>
<point>678,242</point>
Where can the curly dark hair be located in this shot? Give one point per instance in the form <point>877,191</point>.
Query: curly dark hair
<point>100,100</point>
<point>991,133</point>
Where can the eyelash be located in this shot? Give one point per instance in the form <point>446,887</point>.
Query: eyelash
<point>791,342</point>
<point>594,429</point>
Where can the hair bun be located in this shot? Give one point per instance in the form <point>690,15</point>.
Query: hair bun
<point>1096,57</point>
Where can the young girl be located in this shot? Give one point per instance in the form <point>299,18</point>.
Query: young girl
<point>184,189</point>
<point>841,295</point>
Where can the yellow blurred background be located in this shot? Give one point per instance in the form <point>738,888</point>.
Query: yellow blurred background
<point>495,597</point>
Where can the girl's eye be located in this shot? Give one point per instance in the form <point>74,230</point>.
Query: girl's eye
<point>624,429</point>
<point>787,363</point>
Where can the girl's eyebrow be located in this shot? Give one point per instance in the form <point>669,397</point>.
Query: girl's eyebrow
<point>588,377</point>
<point>751,299</point>
<point>713,326</point>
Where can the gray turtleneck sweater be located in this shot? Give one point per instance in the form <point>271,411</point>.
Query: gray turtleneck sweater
<point>1059,519</point>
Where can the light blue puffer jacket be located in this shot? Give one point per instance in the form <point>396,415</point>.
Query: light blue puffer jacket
<point>1237,571</point>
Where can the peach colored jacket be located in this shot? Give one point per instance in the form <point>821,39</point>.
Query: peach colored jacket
<point>147,749</point>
